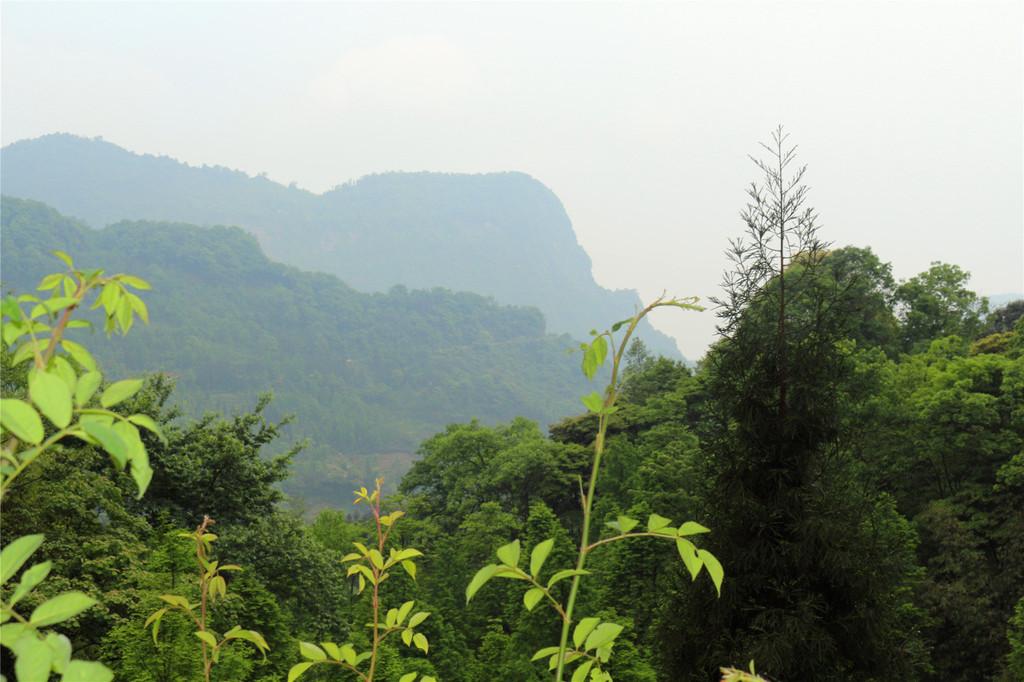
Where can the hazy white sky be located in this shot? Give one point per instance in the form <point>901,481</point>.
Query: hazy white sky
<point>639,116</point>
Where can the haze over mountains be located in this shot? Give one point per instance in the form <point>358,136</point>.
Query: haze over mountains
<point>503,235</point>
<point>369,374</point>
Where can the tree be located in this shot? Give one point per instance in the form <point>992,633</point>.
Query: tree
<point>817,569</point>
<point>1002,319</point>
<point>470,464</point>
<point>870,290</point>
<point>213,466</point>
<point>937,303</point>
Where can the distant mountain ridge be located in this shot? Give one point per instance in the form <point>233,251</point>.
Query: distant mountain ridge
<point>504,235</point>
<point>370,376</point>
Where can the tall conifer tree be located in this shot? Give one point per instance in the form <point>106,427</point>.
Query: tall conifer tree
<point>815,568</point>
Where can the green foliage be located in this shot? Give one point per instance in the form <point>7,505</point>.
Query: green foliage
<point>500,234</point>
<point>211,586</point>
<point>227,324</point>
<point>468,465</point>
<point>373,569</point>
<point>62,384</point>
<point>820,565</point>
<point>937,303</point>
<point>1015,634</point>
<point>593,638</point>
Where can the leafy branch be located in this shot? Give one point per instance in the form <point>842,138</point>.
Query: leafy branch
<point>211,584</point>
<point>62,383</point>
<point>592,639</point>
<point>373,568</point>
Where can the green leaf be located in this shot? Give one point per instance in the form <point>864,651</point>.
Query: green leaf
<point>176,600</point>
<point>546,651</point>
<point>600,346</point>
<point>348,654</point>
<point>312,651</point>
<point>405,554</point>
<point>64,257</point>
<point>539,555</point>
<point>61,647</point>
<point>618,325</point>
<point>22,420</point>
<point>580,674</point>
<point>109,441</point>
<point>52,305</point>
<point>714,568</point>
<point>29,580</point>
<point>403,610</point>
<point>133,281</point>
<point>87,385</point>
<point>655,523</point>
<point>410,568</point>
<point>593,402</point>
<point>51,281</point>
<point>61,607</point>
<point>407,637</point>
<point>297,670</point>
<point>139,307</point>
<point>33,660</point>
<point>692,528</point>
<point>119,391</point>
<point>589,363</point>
<point>9,308</point>
<point>12,632</point>
<point>583,628</point>
<point>256,638</point>
<point>418,618</point>
<point>531,597</point>
<point>149,423</point>
<point>689,554</point>
<point>124,314</point>
<point>79,354</point>
<point>206,637</point>
<point>141,471</point>
<point>408,677</point>
<point>51,395</point>
<point>627,524</point>
<point>87,671</point>
<point>420,640</point>
<point>332,650</point>
<point>562,575</point>
<point>481,577</point>
<point>604,634</point>
<point>62,369</point>
<point>509,554</point>
<point>15,554</point>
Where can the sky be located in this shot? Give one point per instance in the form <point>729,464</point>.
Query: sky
<point>639,116</point>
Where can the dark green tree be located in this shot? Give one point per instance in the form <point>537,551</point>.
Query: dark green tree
<point>937,303</point>
<point>817,570</point>
<point>869,291</point>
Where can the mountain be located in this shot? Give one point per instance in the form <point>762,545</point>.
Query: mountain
<point>370,375</point>
<point>503,234</point>
<point>1000,300</point>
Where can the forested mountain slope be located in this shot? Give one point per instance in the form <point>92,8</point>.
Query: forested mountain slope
<point>368,374</point>
<point>503,234</point>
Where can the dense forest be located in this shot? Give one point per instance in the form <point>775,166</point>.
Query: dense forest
<point>501,234</point>
<point>369,376</point>
<point>853,444</point>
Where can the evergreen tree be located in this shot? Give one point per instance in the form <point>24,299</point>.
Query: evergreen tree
<point>817,569</point>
